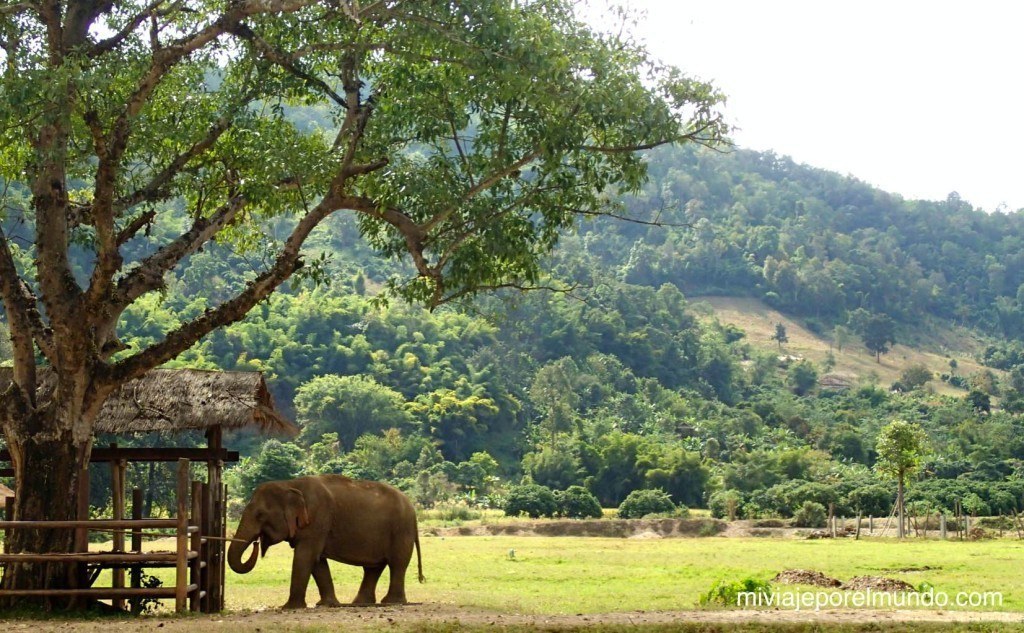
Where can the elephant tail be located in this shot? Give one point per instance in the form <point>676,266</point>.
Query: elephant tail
<point>419,559</point>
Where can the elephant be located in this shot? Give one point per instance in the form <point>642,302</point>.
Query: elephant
<point>355,522</point>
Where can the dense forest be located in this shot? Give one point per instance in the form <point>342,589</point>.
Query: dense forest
<point>609,380</point>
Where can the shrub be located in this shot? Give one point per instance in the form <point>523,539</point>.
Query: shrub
<point>532,500</point>
<point>640,503</point>
<point>726,594</point>
<point>457,511</point>
<point>725,504</point>
<point>577,502</point>
<point>811,515</point>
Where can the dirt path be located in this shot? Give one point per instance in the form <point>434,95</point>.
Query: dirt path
<point>450,617</point>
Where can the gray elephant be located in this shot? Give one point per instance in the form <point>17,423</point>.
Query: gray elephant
<point>362,523</point>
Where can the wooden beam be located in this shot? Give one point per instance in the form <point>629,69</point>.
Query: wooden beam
<point>95,557</point>
<point>98,592</point>
<point>95,524</point>
<point>142,454</point>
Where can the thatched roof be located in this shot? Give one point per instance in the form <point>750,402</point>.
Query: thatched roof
<point>5,492</point>
<point>168,400</point>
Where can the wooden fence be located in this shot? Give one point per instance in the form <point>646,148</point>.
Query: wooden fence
<point>198,557</point>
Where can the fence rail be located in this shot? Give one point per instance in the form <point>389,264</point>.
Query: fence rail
<point>195,559</point>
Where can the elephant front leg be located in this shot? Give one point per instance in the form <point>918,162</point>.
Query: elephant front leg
<point>304,560</point>
<point>325,584</point>
<point>368,588</point>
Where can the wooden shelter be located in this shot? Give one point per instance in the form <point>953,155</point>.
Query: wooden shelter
<point>170,401</point>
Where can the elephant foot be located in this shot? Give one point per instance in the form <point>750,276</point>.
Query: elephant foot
<point>294,604</point>
<point>329,603</point>
<point>364,600</point>
<point>394,600</point>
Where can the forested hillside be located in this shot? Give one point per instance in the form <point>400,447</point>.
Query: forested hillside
<point>611,379</point>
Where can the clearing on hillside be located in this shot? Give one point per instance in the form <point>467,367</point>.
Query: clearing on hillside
<point>940,345</point>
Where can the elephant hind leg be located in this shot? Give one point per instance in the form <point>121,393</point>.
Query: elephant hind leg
<point>396,588</point>
<point>368,588</point>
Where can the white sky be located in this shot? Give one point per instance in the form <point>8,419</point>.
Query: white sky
<point>918,98</point>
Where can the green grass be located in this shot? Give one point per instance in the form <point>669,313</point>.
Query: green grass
<point>566,575</point>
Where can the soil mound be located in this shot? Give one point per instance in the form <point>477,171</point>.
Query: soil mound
<point>877,583</point>
<point>806,577</point>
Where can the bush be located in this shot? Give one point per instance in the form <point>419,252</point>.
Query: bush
<point>577,502</point>
<point>640,503</point>
<point>725,504</point>
<point>726,594</point>
<point>457,511</point>
<point>810,515</point>
<point>532,500</point>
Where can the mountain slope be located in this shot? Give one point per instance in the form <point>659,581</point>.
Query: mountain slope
<point>934,351</point>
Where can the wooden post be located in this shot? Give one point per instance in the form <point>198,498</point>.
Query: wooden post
<point>136,574</point>
<point>117,477</point>
<point>196,545</point>
<point>221,571</point>
<point>871,525</point>
<point>856,535</point>
<point>207,549</point>
<point>215,524</point>
<point>181,566</point>
<point>8,515</point>
<point>82,534</point>
<point>942,526</point>
<point>81,540</point>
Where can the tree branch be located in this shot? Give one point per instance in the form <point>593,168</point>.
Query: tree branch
<point>515,285</point>
<point>12,294</point>
<point>483,186</point>
<point>149,274</point>
<point>133,227</point>
<point>285,61</point>
<point>185,336</point>
<point>18,7</point>
<point>153,190</point>
<point>112,42</point>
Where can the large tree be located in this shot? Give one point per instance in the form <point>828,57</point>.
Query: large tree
<point>466,137</point>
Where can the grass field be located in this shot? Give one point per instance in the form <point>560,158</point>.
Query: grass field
<point>565,575</point>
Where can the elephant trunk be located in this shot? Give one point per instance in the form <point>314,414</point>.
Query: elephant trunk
<point>235,556</point>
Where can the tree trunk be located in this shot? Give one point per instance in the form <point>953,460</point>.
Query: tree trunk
<point>46,473</point>
<point>900,532</point>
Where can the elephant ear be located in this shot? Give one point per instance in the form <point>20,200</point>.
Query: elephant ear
<point>295,512</point>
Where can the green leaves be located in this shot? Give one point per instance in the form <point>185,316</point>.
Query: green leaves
<point>901,448</point>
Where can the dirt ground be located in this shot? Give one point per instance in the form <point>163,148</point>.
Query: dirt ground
<point>450,617</point>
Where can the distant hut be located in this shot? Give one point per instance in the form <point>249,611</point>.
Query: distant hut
<point>837,381</point>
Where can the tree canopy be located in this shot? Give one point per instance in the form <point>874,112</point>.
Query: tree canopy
<point>464,136</point>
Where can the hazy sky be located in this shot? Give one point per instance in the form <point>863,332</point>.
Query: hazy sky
<point>918,98</point>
